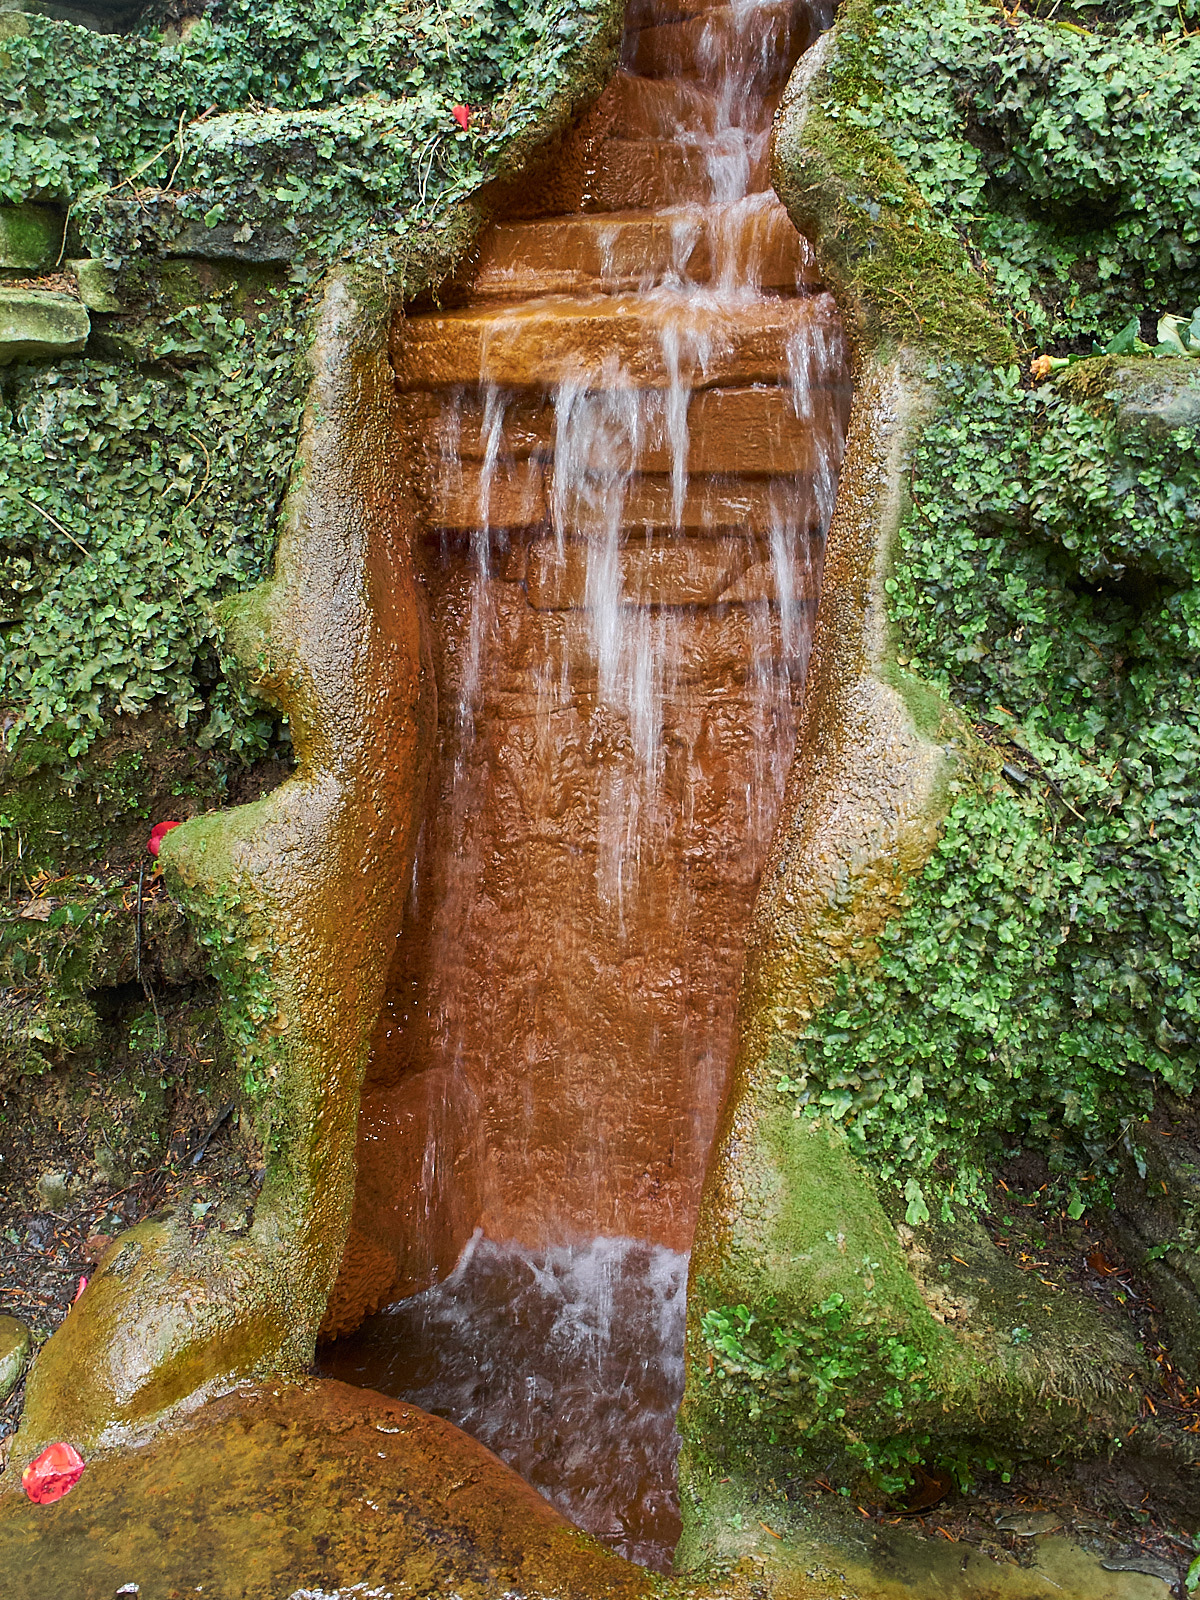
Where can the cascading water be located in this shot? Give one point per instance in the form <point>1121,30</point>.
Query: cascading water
<point>629,442</point>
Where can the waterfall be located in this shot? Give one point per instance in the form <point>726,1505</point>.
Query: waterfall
<point>627,442</point>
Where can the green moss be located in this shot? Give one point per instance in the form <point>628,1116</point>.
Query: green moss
<point>31,237</point>
<point>903,274</point>
<point>244,964</point>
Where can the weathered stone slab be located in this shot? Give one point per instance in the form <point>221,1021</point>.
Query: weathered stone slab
<point>1155,397</point>
<point>613,341</point>
<point>617,251</point>
<point>452,427</point>
<point>751,505</point>
<point>755,432</point>
<point>35,324</point>
<point>97,284</point>
<point>752,431</point>
<point>234,241</point>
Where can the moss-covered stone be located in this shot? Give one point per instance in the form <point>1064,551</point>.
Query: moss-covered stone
<point>900,275</point>
<point>97,284</point>
<point>14,1348</point>
<point>31,237</point>
<point>38,325</point>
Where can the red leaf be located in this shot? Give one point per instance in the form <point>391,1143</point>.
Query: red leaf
<point>81,1288</point>
<point>158,833</point>
<point>52,1474</point>
<point>461,115</point>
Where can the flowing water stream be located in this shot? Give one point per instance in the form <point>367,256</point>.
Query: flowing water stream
<point>627,442</point>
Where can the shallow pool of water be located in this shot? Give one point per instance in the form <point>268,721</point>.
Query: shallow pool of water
<point>567,1362</point>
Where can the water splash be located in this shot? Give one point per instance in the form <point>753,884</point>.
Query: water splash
<point>538,1354</point>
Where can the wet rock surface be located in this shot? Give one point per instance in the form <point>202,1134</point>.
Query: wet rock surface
<point>625,490</point>
<point>316,1486</point>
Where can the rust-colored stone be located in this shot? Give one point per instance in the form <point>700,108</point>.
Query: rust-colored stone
<point>646,172</point>
<point>665,572</point>
<point>553,1051</point>
<point>751,504</point>
<point>618,251</point>
<point>543,343</point>
<point>460,494</point>
<point>691,46</point>
<point>751,432</point>
<point>581,1028</point>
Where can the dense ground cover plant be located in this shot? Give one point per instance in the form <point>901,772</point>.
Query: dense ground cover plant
<point>1061,149</point>
<point>1042,981</point>
<point>341,123</point>
<point>1043,977</point>
<point>137,490</point>
<point>129,508</point>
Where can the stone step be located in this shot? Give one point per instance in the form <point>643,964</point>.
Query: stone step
<point>645,13</point>
<point>666,572</point>
<point>39,324</point>
<point>749,432</point>
<point>617,252</point>
<point>752,432</point>
<point>660,108</point>
<point>520,494</point>
<point>453,494</point>
<point>640,174</point>
<point>751,505</point>
<point>614,341</point>
<point>767,39</point>
<point>446,425</point>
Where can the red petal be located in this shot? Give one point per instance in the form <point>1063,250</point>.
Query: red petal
<point>462,115</point>
<point>52,1474</point>
<point>157,834</point>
